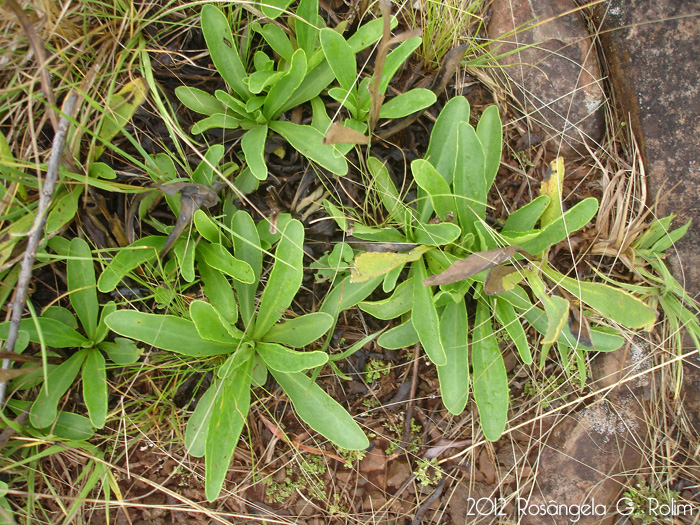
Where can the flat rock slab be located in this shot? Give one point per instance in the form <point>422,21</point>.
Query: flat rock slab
<point>652,48</point>
<point>550,63</point>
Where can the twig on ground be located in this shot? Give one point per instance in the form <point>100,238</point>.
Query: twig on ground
<point>35,233</point>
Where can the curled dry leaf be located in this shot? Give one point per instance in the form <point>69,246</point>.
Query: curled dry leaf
<point>477,262</point>
<point>192,197</point>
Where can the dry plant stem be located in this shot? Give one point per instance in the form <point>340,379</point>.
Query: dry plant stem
<point>36,231</point>
<point>40,52</point>
<point>414,387</point>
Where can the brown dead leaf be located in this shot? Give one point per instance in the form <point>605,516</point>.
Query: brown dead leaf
<point>477,262</point>
<point>339,134</point>
<point>192,197</point>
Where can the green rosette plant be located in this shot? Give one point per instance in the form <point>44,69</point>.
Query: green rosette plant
<point>448,243</point>
<point>252,342</point>
<point>257,99</point>
<point>58,328</point>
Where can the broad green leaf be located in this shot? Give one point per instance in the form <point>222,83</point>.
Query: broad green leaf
<point>102,330</point>
<point>285,86</point>
<point>399,337</point>
<point>211,326</point>
<point>218,290</point>
<point>407,103</point>
<point>198,424</point>
<point>285,278</point>
<point>45,408</point>
<point>309,142</point>
<point>257,83</point>
<point>489,376</point>
<point>340,56</point>
<point>228,415</point>
<point>436,234</point>
<point>274,8</point>
<point>166,332</point>
<point>277,40</point>
<point>442,149</point>
<point>216,121</point>
<point>369,265</point>
<point>380,235</point>
<point>101,170</point>
<point>259,373</point>
<point>346,294</point>
<point>246,246</point>
<point>121,108</point>
<point>574,219</point>
<point>368,34</point>
<point>608,301</point>
<point>206,227</point>
<point>434,184</point>
<point>199,101</point>
<point>184,250</point>
<point>395,59</point>
<point>316,80</point>
<point>424,316</point>
<point>270,229</point>
<point>283,359</point>
<point>305,25</point>
<point>390,278</point>
<point>63,210</point>
<point>95,387</point>
<point>233,106</point>
<point>253,146</point>
<point>469,181</point>
<point>552,185</point>
<point>299,331</point>
<point>73,427</point>
<point>387,191</point>
<point>127,259</point>
<point>221,259</point>
<point>321,412</point>
<point>54,332</point>
<point>490,133</point>
<point>122,351</point>
<point>244,353</point>
<point>508,319</point>
<point>524,219</point>
<point>223,49</point>
<point>61,314</point>
<point>454,374</point>
<point>400,302</point>
<point>204,172</point>
<point>80,276</point>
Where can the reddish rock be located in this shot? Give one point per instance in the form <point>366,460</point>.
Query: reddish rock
<point>557,79</point>
<point>651,47</point>
<point>588,455</point>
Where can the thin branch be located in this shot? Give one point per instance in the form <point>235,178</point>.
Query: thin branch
<point>37,230</point>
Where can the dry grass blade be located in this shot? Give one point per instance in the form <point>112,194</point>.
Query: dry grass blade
<point>40,53</point>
